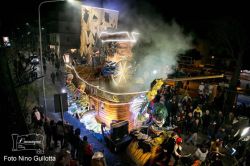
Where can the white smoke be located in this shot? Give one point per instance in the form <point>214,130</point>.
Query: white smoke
<point>159,56</point>
<point>159,43</point>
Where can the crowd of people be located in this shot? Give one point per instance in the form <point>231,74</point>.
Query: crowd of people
<point>190,116</point>
<point>61,139</point>
<point>193,117</point>
<point>56,62</point>
<point>73,150</point>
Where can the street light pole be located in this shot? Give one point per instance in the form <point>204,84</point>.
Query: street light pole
<point>41,52</point>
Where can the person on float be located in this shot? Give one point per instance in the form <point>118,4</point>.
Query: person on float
<point>151,109</point>
<point>158,118</point>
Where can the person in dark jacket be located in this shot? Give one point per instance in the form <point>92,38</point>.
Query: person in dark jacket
<point>76,141</point>
<point>60,132</point>
<point>87,151</point>
<point>48,132</point>
<point>53,76</point>
<point>194,130</point>
<point>206,120</point>
<point>54,132</point>
<point>219,119</point>
<point>169,147</point>
<point>44,68</point>
<point>188,122</point>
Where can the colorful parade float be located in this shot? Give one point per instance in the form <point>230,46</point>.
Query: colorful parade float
<point>99,95</point>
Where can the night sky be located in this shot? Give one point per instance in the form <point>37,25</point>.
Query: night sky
<point>193,15</point>
<point>13,13</point>
<point>17,12</point>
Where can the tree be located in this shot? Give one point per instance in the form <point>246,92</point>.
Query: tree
<point>229,36</point>
<point>10,108</point>
<point>24,75</point>
<point>24,71</point>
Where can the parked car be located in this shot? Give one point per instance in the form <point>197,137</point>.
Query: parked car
<point>34,60</point>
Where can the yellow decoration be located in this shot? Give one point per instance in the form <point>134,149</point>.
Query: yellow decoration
<point>144,158</point>
<point>153,92</point>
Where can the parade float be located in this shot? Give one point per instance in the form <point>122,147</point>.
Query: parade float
<point>149,134</point>
<point>99,98</point>
<point>109,65</point>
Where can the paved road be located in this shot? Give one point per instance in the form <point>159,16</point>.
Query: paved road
<point>51,89</point>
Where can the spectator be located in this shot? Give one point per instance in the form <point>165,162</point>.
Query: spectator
<point>36,117</point>
<point>179,125</point>
<point>194,132</point>
<point>44,68</point>
<point>219,119</point>
<point>177,150</point>
<point>44,60</point>
<point>87,151</point>
<point>201,153</point>
<point>229,119</point>
<point>54,132</point>
<point>221,134</point>
<point>169,147</point>
<point>211,130</point>
<point>206,120</point>
<point>197,112</point>
<point>216,146</point>
<point>68,136</point>
<point>76,141</point>
<point>52,76</point>
<point>201,88</point>
<point>188,122</point>
<point>48,132</point>
<point>57,64</point>
<point>60,132</point>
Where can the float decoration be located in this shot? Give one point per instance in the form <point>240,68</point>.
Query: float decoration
<point>153,92</point>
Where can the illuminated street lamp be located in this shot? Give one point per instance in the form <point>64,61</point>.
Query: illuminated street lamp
<point>41,52</point>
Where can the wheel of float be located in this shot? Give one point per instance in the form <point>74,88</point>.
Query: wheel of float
<point>123,73</point>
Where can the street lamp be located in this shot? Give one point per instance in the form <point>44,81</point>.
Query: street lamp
<point>41,52</point>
